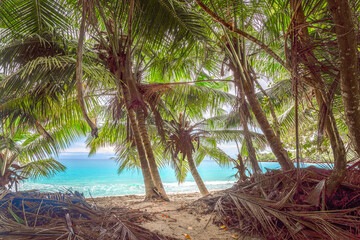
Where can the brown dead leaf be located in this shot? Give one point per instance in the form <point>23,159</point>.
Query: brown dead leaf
<point>187,236</point>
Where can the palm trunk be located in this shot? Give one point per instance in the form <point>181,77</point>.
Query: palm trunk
<point>150,154</point>
<point>245,82</point>
<point>244,112</point>
<point>250,148</point>
<point>79,75</point>
<point>136,102</point>
<point>338,148</point>
<point>196,175</point>
<point>273,140</point>
<point>349,77</point>
<point>150,194</point>
<point>272,110</point>
<point>349,82</point>
<point>241,168</point>
<point>331,129</point>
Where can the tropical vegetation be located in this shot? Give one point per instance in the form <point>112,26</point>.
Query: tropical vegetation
<point>166,81</point>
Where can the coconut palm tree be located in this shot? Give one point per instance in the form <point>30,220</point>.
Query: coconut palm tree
<point>24,155</point>
<point>40,62</point>
<point>161,97</point>
<point>123,32</point>
<point>237,57</point>
<point>288,21</point>
<point>186,138</point>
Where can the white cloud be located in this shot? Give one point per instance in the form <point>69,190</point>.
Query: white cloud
<point>80,148</point>
<point>228,146</point>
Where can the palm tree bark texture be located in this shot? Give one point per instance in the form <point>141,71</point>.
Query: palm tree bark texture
<point>196,175</point>
<point>349,75</point>
<point>244,113</point>
<point>150,194</point>
<point>273,140</point>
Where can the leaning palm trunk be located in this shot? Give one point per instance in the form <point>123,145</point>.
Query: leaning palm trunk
<point>136,102</point>
<point>244,112</point>
<point>249,145</point>
<point>244,80</point>
<point>273,140</point>
<point>150,154</point>
<point>196,175</point>
<point>148,181</point>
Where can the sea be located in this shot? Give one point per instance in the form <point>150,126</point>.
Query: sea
<point>98,177</point>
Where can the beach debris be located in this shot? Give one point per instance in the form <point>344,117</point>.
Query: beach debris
<point>289,205</point>
<point>69,223</point>
<point>45,216</point>
<point>187,236</point>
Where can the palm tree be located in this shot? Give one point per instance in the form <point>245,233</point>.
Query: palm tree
<point>349,81</point>
<point>126,32</point>
<point>25,156</point>
<point>242,17</point>
<point>40,62</point>
<point>244,78</point>
<point>310,67</point>
<point>186,138</point>
<point>162,99</point>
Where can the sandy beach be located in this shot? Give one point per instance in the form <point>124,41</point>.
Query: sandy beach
<point>177,218</point>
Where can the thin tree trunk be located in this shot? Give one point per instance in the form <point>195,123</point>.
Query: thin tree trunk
<point>339,171</point>
<point>250,147</point>
<point>349,79</point>
<point>79,75</point>
<point>272,110</point>
<point>241,168</point>
<point>196,175</point>
<point>274,141</point>
<point>331,129</point>
<point>338,148</point>
<point>150,154</point>
<point>244,112</point>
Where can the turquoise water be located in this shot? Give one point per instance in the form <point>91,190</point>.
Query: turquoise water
<point>99,178</point>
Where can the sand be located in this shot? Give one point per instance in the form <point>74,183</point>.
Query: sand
<point>175,219</point>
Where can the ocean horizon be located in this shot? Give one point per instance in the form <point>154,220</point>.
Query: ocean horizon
<point>98,177</point>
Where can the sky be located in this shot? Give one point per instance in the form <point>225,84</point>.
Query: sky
<point>79,149</point>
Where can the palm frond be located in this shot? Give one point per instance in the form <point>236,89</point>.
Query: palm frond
<point>41,168</point>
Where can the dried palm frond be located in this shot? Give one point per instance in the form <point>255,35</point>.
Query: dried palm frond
<point>278,205</point>
<point>36,215</point>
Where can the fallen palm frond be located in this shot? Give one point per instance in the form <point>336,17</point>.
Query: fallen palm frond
<point>36,215</point>
<point>291,205</point>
